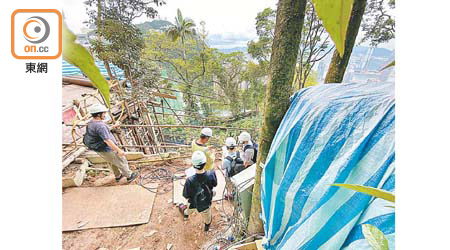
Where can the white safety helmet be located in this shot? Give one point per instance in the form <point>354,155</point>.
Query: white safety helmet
<point>206,132</point>
<point>244,136</point>
<point>230,142</point>
<point>97,108</point>
<point>198,159</point>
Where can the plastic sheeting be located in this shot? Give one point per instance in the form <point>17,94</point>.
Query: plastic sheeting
<point>332,133</point>
<point>71,70</point>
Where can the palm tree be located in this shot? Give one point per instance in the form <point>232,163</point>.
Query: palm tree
<point>183,28</point>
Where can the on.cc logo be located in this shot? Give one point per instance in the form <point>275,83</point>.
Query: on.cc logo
<point>36,34</point>
<point>39,25</point>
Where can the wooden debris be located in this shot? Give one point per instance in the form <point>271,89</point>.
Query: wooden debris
<point>94,158</point>
<point>78,178</point>
<point>73,156</point>
<point>163,95</point>
<point>256,245</point>
<point>79,160</point>
<point>99,169</point>
<point>77,81</point>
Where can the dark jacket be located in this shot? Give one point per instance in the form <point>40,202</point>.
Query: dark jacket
<point>192,183</point>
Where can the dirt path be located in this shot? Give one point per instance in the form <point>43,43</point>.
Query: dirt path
<point>165,219</point>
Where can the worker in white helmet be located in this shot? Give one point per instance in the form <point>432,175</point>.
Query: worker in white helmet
<point>199,144</point>
<point>99,138</point>
<point>198,190</point>
<point>249,149</point>
<point>232,163</point>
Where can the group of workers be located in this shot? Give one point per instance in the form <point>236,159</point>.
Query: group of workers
<point>198,188</point>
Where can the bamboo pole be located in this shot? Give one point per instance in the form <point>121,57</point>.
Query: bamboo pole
<point>177,126</point>
<point>143,146</point>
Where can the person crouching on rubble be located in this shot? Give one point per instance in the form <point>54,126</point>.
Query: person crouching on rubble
<point>200,145</point>
<point>198,190</point>
<point>99,138</point>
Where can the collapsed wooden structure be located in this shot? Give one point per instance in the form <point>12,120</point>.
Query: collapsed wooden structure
<point>136,115</point>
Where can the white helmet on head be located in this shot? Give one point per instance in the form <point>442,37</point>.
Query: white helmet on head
<point>198,159</point>
<point>207,132</point>
<point>244,136</point>
<point>97,108</point>
<point>230,142</point>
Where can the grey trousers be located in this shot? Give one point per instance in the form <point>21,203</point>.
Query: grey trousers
<point>118,164</point>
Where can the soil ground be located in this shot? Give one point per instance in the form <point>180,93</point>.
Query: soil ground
<point>166,222</point>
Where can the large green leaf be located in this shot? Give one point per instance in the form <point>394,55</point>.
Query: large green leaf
<point>375,237</point>
<point>77,55</point>
<point>370,191</point>
<point>335,16</point>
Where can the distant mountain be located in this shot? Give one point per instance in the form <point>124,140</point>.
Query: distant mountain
<point>234,49</point>
<point>155,25</point>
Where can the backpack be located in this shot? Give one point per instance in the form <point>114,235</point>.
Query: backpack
<point>202,197</point>
<point>93,142</point>
<point>255,147</point>
<point>237,164</point>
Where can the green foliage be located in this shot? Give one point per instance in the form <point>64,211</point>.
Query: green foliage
<point>124,11</point>
<point>335,16</point>
<point>375,237</point>
<point>314,44</point>
<point>378,25</point>
<point>120,44</point>
<point>186,62</point>
<point>213,83</point>
<point>379,193</point>
<point>265,25</point>
<point>77,55</point>
<point>253,96</point>
<point>249,122</point>
<point>117,39</point>
<point>310,81</point>
<point>228,71</point>
<point>146,73</point>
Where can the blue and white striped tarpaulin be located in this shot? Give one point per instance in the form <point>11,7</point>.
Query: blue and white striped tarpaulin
<point>332,133</point>
<point>71,70</point>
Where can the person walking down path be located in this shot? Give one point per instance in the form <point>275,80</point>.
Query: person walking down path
<point>198,190</point>
<point>199,144</point>
<point>99,138</point>
<point>249,149</point>
<point>232,163</point>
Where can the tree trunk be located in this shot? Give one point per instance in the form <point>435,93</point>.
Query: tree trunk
<point>338,65</point>
<point>108,69</point>
<point>289,22</point>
